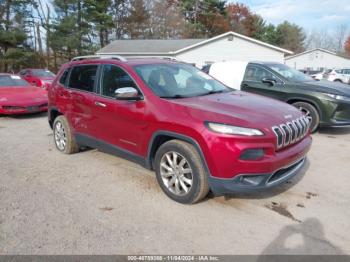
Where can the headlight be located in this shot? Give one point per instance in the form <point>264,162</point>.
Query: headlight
<point>339,97</point>
<point>233,130</point>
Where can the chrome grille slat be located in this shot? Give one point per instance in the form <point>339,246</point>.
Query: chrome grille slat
<point>291,132</point>
<point>294,131</point>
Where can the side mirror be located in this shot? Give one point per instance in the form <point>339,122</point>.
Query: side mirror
<point>127,93</point>
<point>268,81</point>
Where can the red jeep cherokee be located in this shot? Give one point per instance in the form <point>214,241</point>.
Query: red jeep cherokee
<point>196,134</point>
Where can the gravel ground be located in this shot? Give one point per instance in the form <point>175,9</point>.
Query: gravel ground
<point>94,203</point>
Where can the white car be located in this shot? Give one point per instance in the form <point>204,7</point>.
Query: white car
<point>338,75</point>
<point>318,76</point>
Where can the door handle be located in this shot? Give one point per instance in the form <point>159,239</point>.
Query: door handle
<point>100,104</point>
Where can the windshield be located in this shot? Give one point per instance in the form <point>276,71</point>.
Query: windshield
<point>42,73</point>
<point>12,80</point>
<point>290,73</point>
<point>177,80</point>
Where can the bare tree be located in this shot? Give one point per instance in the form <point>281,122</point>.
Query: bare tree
<point>45,22</point>
<point>320,39</point>
<point>166,20</point>
<point>340,34</point>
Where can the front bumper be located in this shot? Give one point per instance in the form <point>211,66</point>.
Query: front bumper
<point>336,124</point>
<point>264,181</point>
<point>337,114</point>
<point>19,110</point>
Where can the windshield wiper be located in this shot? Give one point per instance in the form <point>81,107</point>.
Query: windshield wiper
<point>213,92</point>
<point>174,96</point>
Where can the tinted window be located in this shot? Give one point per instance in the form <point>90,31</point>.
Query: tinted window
<point>64,77</point>
<point>12,80</point>
<point>346,71</point>
<point>113,78</point>
<point>290,73</point>
<point>23,72</point>
<point>256,73</point>
<point>83,77</point>
<point>177,80</point>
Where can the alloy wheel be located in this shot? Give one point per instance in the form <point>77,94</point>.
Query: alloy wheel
<point>306,112</point>
<point>176,173</point>
<point>60,136</point>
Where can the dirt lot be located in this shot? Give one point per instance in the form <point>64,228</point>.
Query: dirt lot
<point>94,203</point>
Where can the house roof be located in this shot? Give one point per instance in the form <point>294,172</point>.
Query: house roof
<point>312,50</point>
<point>148,46</point>
<point>170,47</point>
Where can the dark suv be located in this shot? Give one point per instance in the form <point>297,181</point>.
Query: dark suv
<point>170,117</point>
<point>325,103</point>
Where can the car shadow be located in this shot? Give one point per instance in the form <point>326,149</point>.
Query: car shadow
<point>26,116</point>
<point>268,193</point>
<point>334,130</point>
<point>305,238</point>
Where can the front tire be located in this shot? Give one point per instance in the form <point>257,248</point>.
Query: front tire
<point>180,172</point>
<point>63,136</point>
<point>311,113</point>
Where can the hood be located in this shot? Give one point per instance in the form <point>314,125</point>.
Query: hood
<point>329,87</point>
<point>240,108</point>
<point>21,95</point>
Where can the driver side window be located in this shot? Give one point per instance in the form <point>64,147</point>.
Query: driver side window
<point>113,78</point>
<point>257,74</point>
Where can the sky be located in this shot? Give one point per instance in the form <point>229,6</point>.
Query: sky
<point>310,14</point>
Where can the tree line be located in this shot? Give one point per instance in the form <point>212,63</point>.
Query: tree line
<point>47,33</point>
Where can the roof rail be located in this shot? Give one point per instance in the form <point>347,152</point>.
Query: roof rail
<point>157,57</point>
<point>117,57</point>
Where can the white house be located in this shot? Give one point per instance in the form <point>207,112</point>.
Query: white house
<point>317,59</point>
<point>228,46</point>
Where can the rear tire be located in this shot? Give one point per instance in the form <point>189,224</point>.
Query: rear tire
<point>310,112</point>
<point>63,136</point>
<point>180,172</point>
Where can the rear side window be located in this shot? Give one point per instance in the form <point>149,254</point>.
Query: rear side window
<point>83,77</point>
<point>64,76</point>
<point>23,72</point>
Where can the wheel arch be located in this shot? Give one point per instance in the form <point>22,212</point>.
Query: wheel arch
<point>305,100</point>
<point>160,137</point>
<point>53,113</point>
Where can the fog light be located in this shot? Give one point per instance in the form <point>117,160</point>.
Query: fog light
<point>251,180</point>
<point>252,154</point>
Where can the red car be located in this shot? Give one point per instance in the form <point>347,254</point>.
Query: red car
<point>19,97</point>
<point>38,77</point>
<point>197,134</point>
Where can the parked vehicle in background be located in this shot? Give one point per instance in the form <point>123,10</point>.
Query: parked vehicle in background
<point>337,75</point>
<point>197,134</point>
<point>318,75</point>
<point>38,77</point>
<point>18,97</point>
<point>323,102</point>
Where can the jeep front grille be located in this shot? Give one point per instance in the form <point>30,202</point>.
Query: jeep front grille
<point>291,132</point>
